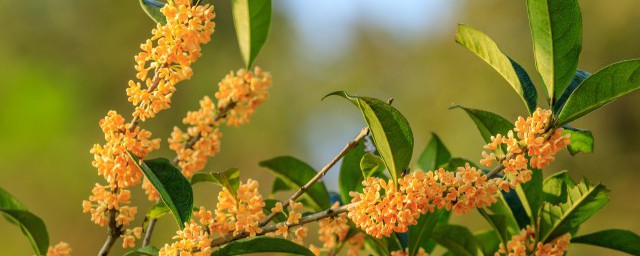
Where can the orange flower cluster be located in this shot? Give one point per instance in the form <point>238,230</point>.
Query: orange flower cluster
<point>129,237</point>
<point>193,240</point>
<point>385,207</point>
<point>420,252</point>
<point>60,249</point>
<point>239,213</point>
<point>241,93</point>
<point>530,143</point>
<point>524,244</point>
<point>112,159</point>
<point>170,52</point>
<point>333,230</point>
<point>105,199</point>
<point>193,158</point>
<point>114,163</point>
<point>238,96</point>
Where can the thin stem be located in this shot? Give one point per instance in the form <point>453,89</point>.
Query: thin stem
<point>114,233</point>
<point>147,235</point>
<point>321,173</point>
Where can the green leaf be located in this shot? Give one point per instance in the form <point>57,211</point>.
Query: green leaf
<point>148,250</point>
<point>457,239</point>
<point>152,9</point>
<point>369,164</point>
<point>555,188</point>
<point>262,244</point>
<point>583,201</point>
<point>420,234</point>
<point>295,174</point>
<point>279,185</point>
<point>434,155</point>
<point>350,177</point>
<point>32,227</point>
<point>616,239</point>
<point>226,179</point>
<point>379,246</point>
<point>501,219</point>
<point>530,196</point>
<point>556,29</point>
<point>489,241</point>
<point>606,85</point>
<point>389,129</point>
<point>489,124</point>
<point>577,80</point>
<point>173,188</point>
<point>581,140</point>
<point>157,211</point>
<point>252,19</point>
<point>485,48</point>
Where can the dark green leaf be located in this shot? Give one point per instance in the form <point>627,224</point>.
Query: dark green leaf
<point>226,179</point>
<point>581,140</point>
<point>583,201</point>
<point>389,129</point>
<point>556,29</point>
<point>420,234</point>
<point>152,9</point>
<point>173,188</point>
<point>485,48</point>
<point>556,187</point>
<point>501,219</point>
<point>7,201</point>
<point>577,80</point>
<point>457,239</point>
<point>606,85</point>
<point>434,155</point>
<point>295,174</point>
<point>616,239</point>
<point>379,246</point>
<point>32,227</point>
<point>530,196</point>
<point>350,177</point>
<point>489,124</point>
<point>252,19</point>
<point>261,244</point>
<point>489,241</point>
<point>279,185</point>
<point>149,250</point>
<point>369,164</point>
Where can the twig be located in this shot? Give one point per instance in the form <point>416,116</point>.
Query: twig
<point>114,233</point>
<point>147,234</point>
<point>321,173</point>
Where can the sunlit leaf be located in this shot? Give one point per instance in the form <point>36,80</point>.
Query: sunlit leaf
<point>389,129</point>
<point>616,239</point>
<point>577,80</point>
<point>555,188</point>
<point>489,124</point>
<point>173,188</point>
<point>369,164</point>
<point>228,179</point>
<point>152,9</point>
<point>252,19</point>
<point>602,87</point>
<point>556,29</point>
<point>31,225</point>
<point>148,250</point>
<point>485,48</point>
<point>581,140</point>
<point>530,196</point>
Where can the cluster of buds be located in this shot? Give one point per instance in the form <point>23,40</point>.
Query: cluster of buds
<point>385,207</point>
<point>525,244</point>
<point>239,94</point>
<point>60,249</point>
<point>170,52</point>
<point>531,143</point>
<point>293,218</point>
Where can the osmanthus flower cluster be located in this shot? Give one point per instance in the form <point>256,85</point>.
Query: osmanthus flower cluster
<point>524,244</point>
<point>239,94</point>
<point>235,213</point>
<point>169,53</point>
<point>333,231</point>
<point>420,252</point>
<point>293,218</point>
<point>385,207</point>
<point>60,249</point>
<point>530,143</point>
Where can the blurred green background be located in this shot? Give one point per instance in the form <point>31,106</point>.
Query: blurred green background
<point>64,64</point>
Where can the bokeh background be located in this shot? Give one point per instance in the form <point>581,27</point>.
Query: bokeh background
<point>64,64</point>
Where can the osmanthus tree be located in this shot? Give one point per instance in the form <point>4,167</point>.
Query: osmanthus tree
<point>384,206</point>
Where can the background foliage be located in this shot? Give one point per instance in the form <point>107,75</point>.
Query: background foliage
<point>66,62</point>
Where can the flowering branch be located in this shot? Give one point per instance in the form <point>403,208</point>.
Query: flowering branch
<point>114,233</point>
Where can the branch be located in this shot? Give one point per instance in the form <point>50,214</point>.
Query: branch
<point>114,233</point>
<point>321,173</point>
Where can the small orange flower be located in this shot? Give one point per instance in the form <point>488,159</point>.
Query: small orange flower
<point>242,213</point>
<point>524,244</point>
<point>60,249</point>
